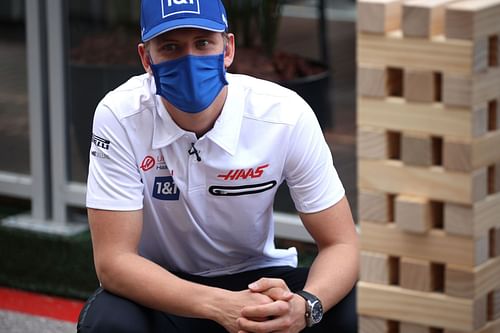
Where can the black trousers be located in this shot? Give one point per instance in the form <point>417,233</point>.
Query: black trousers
<point>108,313</point>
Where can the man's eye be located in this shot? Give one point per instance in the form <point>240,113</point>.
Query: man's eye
<point>202,43</point>
<point>169,47</point>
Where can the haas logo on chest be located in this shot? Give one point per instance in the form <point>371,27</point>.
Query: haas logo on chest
<point>251,173</point>
<point>173,7</point>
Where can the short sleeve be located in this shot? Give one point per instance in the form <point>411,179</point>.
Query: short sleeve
<point>114,181</point>
<point>309,170</point>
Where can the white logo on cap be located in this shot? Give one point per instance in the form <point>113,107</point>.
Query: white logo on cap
<point>173,7</point>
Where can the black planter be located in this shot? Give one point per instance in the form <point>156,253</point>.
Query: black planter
<point>314,89</point>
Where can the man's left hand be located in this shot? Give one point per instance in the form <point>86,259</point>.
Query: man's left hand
<point>285,315</point>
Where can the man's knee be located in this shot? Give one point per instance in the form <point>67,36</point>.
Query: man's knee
<point>105,312</point>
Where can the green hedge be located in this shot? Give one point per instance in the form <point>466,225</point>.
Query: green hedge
<point>52,264</point>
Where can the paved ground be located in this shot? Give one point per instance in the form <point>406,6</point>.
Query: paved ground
<point>14,322</point>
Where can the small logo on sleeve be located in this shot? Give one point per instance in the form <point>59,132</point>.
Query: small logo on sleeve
<point>165,189</point>
<point>100,142</point>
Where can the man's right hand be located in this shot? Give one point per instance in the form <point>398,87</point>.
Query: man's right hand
<point>230,309</point>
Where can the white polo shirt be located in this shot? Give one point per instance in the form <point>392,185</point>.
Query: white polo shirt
<point>208,210</point>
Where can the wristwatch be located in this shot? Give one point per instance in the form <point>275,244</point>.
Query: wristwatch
<point>314,309</point>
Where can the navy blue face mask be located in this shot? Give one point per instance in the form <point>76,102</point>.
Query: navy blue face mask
<point>191,83</point>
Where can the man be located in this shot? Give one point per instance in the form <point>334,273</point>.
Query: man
<point>185,162</point>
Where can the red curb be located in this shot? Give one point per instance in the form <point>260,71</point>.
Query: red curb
<point>40,305</point>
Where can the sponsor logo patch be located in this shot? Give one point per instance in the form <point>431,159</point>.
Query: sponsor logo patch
<point>100,142</point>
<point>236,174</point>
<point>164,188</point>
<point>147,163</point>
<point>173,7</point>
<point>99,154</point>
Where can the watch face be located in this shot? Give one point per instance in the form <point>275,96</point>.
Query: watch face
<point>316,312</point>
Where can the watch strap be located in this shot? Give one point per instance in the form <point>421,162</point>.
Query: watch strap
<point>310,301</point>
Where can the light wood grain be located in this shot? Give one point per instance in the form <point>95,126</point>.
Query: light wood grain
<point>434,183</point>
<point>436,54</point>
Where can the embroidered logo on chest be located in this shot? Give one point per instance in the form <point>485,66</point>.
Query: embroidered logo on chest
<point>164,188</point>
<point>237,174</point>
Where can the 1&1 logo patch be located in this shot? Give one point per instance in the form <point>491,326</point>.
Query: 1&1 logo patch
<point>172,7</point>
<point>165,189</point>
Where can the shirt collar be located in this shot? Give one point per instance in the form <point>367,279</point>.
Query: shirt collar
<point>227,127</point>
<point>165,130</point>
<point>226,130</point>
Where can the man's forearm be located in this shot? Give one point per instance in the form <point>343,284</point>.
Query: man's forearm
<point>333,273</point>
<point>136,278</point>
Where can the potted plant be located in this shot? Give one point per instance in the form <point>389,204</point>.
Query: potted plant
<point>256,24</point>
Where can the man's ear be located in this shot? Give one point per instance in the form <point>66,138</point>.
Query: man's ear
<point>229,51</point>
<point>145,58</point>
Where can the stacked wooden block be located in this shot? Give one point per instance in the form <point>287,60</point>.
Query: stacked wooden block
<point>429,165</point>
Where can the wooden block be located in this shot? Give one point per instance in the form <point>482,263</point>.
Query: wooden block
<point>379,16</point>
<point>457,155</point>
<point>434,183</point>
<point>486,213</point>
<point>420,86</point>
<point>405,327</point>
<point>469,19</point>
<point>473,220</point>
<point>372,81</point>
<point>413,213</point>
<point>416,149</point>
<point>485,150</point>
<point>369,324</point>
<point>398,115</point>
<point>482,249</point>
<point>481,54</point>
<point>459,283</point>
<point>479,184</point>
<point>375,206</point>
<point>457,90</point>
<point>463,220</point>
<point>479,120</point>
<point>372,143</point>
<point>378,268</point>
<point>495,242</point>
<point>424,18</point>
<point>415,274</point>
<point>436,54</point>
<point>494,305</point>
<point>428,309</point>
<point>480,311</point>
<point>436,246</point>
<point>458,219</point>
<point>471,91</point>
<point>485,86</point>
<point>472,282</point>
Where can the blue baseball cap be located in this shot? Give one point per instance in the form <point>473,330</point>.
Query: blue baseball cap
<point>159,16</point>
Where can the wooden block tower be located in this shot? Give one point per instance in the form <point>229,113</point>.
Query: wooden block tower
<point>429,165</point>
